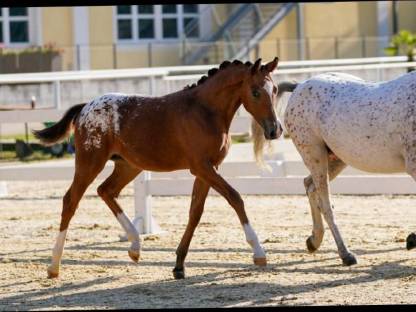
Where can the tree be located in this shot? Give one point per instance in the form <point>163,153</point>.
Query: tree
<point>403,43</point>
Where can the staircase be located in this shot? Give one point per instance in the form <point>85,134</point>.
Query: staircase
<point>246,25</point>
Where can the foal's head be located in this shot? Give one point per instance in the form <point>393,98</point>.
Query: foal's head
<point>258,93</point>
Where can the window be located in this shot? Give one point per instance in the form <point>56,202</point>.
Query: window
<point>14,25</point>
<point>136,23</point>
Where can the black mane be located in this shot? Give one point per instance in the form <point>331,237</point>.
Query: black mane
<point>214,70</point>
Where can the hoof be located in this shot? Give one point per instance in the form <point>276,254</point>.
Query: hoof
<point>134,255</point>
<point>122,238</point>
<point>349,260</point>
<point>411,241</point>
<point>178,273</point>
<point>52,273</point>
<point>260,261</point>
<point>310,245</point>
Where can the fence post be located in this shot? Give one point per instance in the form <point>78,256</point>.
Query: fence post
<point>336,46</point>
<point>143,204</point>
<point>114,56</point>
<point>57,94</point>
<point>149,54</point>
<point>278,48</point>
<point>363,52</point>
<point>78,57</point>
<point>152,85</point>
<point>248,50</point>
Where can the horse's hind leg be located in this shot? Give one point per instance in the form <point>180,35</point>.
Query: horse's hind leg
<point>411,170</point>
<point>109,190</point>
<point>315,157</point>
<point>199,194</point>
<point>335,166</point>
<point>85,173</point>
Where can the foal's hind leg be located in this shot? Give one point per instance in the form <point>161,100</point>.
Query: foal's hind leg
<point>315,157</point>
<point>199,194</point>
<point>109,190</point>
<point>85,173</point>
<point>335,166</point>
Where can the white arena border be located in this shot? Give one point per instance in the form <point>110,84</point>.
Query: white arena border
<point>285,178</point>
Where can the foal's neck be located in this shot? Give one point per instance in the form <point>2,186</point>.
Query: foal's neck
<point>222,95</point>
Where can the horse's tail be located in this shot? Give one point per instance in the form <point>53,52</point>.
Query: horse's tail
<point>257,131</point>
<point>60,130</point>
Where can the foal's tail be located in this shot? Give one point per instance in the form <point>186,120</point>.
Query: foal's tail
<point>257,131</point>
<point>60,130</point>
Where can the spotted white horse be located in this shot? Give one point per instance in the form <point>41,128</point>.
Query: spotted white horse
<point>336,120</point>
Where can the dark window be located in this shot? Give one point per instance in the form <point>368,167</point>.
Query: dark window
<point>190,8</point>
<point>18,11</point>
<point>146,28</point>
<point>123,9</point>
<point>169,8</point>
<point>170,28</point>
<point>145,9</point>
<point>1,31</point>
<point>19,31</point>
<point>124,29</point>
<point>191,27</point>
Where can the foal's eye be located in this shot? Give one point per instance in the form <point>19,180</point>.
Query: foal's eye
<point>255,93</point>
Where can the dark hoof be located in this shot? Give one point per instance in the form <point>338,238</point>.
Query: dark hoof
<point>309,245</point>
<point>178,273</point>
<point>411,241</point>
<point>349,260</point>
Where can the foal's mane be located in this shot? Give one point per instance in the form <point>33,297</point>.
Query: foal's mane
<point>214,70</point>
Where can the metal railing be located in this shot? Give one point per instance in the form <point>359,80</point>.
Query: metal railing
<point>157,54</point>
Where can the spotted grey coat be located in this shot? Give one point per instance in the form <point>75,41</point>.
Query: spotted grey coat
<point>338,119</point>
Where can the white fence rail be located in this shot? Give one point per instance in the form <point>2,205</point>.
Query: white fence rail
<point>63,89</point>
<point>239,125</point>
<point>286,177</point>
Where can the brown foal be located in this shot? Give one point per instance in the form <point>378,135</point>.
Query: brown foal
<point>188,129</point>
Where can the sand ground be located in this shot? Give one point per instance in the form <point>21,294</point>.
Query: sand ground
<point>96,271</point>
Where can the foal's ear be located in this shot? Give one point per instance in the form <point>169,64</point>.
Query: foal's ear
<point>271,66</point>
<point>256,66</point>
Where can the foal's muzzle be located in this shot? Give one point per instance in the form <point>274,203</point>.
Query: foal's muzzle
<point>272,129</point>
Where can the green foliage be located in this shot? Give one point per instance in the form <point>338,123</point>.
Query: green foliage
<point>402,43</point>
<point>46,48</point>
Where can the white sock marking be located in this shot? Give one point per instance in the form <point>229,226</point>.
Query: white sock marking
<point>132,233</point>
<point>252,239</point>
<point>58,249</point>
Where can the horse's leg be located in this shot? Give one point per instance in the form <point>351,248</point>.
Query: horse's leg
<point>109,190</point>
<point>199,194</point>
<point>85,172</point>
<point>207,173</point>
<point>335,166</point>
<point>315,157</point>
<point>411,170</point>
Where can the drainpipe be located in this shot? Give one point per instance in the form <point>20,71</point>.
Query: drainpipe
<point>395,15</point>
<point>300,31</point>
<point>81,36</point>
<point>383,26</point>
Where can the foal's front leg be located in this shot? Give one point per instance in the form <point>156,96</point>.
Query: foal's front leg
<point>199,194</point>
<point>207,173</point>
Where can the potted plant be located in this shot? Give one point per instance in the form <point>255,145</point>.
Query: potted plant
<point>33,59</point>
<point>403,43</point>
